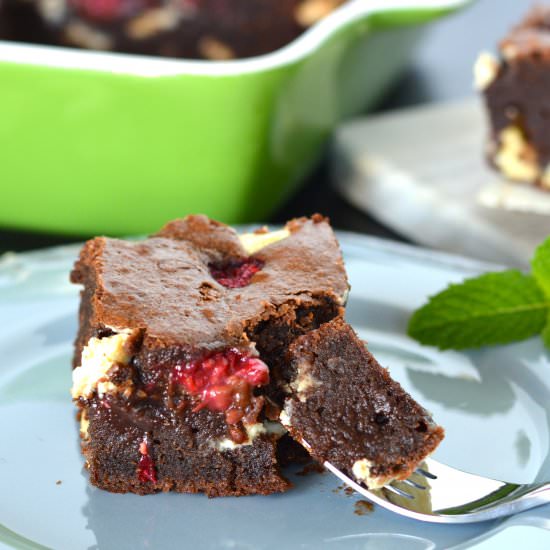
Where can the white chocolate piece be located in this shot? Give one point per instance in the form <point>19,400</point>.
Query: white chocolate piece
<point>515,157</point>
<point>253,431</point>
<point>361,471</point>
<point>485,70</point>
<point>98,356</point>
<point>252,242</point>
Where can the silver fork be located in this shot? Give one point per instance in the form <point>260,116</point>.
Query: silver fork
<point>453,496</point>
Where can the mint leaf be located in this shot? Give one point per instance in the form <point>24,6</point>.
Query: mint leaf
<point>540,266</point>
<point>495,308</point>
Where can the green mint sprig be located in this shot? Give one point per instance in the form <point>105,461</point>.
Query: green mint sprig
<point>494,308</point>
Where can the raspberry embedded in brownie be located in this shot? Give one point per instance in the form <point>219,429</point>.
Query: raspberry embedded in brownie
<point>224,381</point>
<point>236,273</point>
<point>146,465</point>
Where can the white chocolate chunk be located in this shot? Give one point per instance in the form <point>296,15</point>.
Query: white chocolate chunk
<point>285,415</point>
<point>84,425</point>
<point>485,70</point>
<point>152,22</point>
<point>86,36</point>
<point>252,242</point>
<point>515,157</point>
<point>303,382</point>
<point>52,10</point>
<point>361,471</point>
<point>310,11</point>
<point>214,49</point>
<point>253,431</point>
<point>98,356</point>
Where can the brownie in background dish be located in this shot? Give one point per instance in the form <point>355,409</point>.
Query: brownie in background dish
<point>19,20</point>
<point>208,29</point>
<point>516,88</point>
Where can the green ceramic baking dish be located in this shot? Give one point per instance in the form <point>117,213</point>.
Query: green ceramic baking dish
<point>111,143</point>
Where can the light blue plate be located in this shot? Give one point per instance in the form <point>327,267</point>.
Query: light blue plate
<point>494,403</point>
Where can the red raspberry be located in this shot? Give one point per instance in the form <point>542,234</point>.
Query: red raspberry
<point>223,381</point>
<point>236,273</point>
<point>146,466</point>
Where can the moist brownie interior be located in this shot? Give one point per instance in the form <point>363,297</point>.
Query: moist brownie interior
<point>345,409</point>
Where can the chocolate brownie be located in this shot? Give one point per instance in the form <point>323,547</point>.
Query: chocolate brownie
<point>19,20</point>
<point>345,409</point>
<point>515,87</point>
<point>176,332</point>
<point>210,29</point>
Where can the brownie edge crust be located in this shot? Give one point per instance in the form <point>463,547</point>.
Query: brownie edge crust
<point>178,370</point>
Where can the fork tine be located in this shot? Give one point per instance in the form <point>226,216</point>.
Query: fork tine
<point>425,473</point>
<point>398,492</point>
<point>414,484</point>
<point>457,496</point>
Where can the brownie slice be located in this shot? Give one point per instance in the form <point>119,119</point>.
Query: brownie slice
<point>516,89</point>
<point>210,29</point>
<point>176,333</point>
<point>345,409</point>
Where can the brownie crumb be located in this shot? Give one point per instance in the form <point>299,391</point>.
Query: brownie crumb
<point>363,507</point>
<point>312,468</point>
